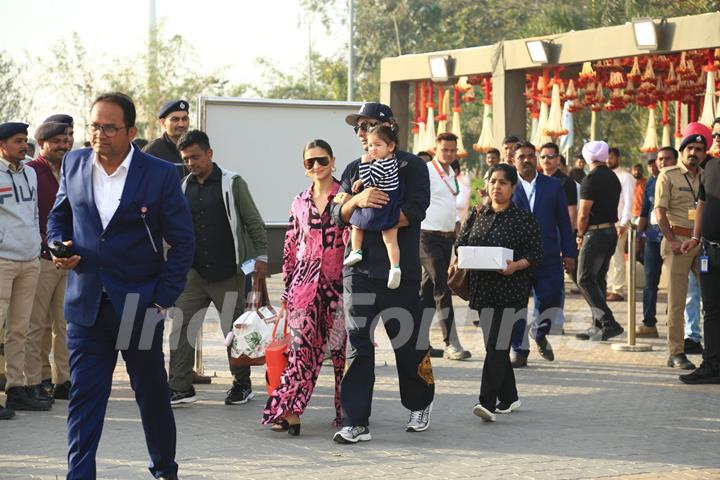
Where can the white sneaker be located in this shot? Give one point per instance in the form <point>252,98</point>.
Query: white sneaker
<point>352,435</point>
<point>453,352</point>
<point>508,408</point>
<point>394,278</point>
<point>419,420</point>
<point>353,257</point>
<point>484,413</point>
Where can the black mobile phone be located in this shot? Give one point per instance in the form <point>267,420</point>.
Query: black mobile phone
<point>60,250</point>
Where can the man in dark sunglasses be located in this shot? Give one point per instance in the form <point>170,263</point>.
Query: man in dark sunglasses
<point>367,297</point>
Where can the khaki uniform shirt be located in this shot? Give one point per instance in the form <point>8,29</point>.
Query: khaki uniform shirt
<point>677,191</point>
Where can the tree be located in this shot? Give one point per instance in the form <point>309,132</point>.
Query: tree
<point>14,102</point>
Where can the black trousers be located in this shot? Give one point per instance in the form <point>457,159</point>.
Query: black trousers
<point>498,378</point>
<point>711,308</point>
<point>597,249</point>
<point>368,301</point>
<point>435,253</point>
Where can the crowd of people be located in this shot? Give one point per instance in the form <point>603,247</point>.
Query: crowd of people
<point>115,239</point>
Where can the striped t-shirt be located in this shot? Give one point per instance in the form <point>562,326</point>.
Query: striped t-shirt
<point>382,174</point>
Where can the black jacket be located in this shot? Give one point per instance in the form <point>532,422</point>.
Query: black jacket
<point>164,148</point>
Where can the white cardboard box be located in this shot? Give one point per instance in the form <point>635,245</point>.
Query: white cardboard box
<point>484,258</point>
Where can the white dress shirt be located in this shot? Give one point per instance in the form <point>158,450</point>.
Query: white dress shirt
<point>108,189</point>
<point>530,190</point>
<point>627,182</point>
<point>440,215</point>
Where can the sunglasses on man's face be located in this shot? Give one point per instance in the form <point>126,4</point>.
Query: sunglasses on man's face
<point>716,134</point>
<point>363,126</point>
<point>547,157</point>
<point>322,161</point>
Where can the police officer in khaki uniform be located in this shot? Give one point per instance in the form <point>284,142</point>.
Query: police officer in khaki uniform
<point>676,195</point>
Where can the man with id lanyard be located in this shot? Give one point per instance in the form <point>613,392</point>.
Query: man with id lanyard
<point>676,196</point>
<point>706,237</point>
<point>437,235</point>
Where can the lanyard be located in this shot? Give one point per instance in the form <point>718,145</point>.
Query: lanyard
<point>692,190</point>
<point>442,177</point>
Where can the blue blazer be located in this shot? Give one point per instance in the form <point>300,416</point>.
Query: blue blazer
<point>551,213</point>
<point>127,256</point>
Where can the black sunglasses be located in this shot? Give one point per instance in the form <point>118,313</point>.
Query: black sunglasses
<point>364,126</point>
<point>716,135</point>
<point>322,161</point>
<point>547,156</point>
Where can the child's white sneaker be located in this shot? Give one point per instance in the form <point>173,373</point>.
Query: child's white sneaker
<point>355,256</point>
<point>394,278</point>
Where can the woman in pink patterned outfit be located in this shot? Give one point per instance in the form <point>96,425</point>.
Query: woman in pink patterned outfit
<point>312,270</point>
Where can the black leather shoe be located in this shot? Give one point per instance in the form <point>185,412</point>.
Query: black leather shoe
<point>169,477</point>
<point>612,330</point>
<point>40,393</point>
<point>545,349</point>
<point>519,362</point>
<point>436,352</point>
<point>6,413</point>
<point>692,347</point>
<point>680,361</point>
<point>702,376</point>
<point>62,391</point>
<point>21,398</point>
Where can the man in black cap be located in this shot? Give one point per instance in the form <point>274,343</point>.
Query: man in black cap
<point>19,264</point>
<point>48,330</point>
<point>175,121</point>
<point>67,120</point>
<point>367,298</point>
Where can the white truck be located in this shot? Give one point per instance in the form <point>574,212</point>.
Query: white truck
<point>263,140</point>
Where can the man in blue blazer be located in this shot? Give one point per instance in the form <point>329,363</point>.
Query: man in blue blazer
<point>114,208</point>
<point>545,198</point>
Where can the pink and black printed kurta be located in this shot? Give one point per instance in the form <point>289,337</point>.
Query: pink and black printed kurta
<point>312,270</point>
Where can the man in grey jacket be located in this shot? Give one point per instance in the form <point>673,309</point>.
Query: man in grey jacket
<point>227,228</point>
<point>19,263</point>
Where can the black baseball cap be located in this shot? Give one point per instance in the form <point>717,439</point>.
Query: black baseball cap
<point>378,111</point>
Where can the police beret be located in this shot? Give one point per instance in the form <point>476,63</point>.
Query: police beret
<point>696,132</point>
<point>9,129</point>
<point>50,129</point>
<point>62,118</point>
<point>173,106</point>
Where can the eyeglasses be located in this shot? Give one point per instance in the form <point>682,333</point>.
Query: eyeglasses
<point>108,130</point>
<point>549,157</point>
<point>716,134</point>
<point>322,161</point>
<point>364,126</point>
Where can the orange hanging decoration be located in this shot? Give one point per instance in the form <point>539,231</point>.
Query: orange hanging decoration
<point>635,73</point>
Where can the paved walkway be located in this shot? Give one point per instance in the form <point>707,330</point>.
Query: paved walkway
<point>593,413</point>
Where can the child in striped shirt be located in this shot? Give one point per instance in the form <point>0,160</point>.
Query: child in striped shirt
<point>379,168</point>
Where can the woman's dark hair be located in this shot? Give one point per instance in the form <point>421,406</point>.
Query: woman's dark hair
<point>508,170</point>
<point>122,101</point>
<point>318,143</point>
<point>384,133</point>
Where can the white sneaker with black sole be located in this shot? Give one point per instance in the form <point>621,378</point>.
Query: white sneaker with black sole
<point>484,413</point>
<point>352,435</point>
<point>178,398</point>
<point>419,420</point>
<point>508,408</point>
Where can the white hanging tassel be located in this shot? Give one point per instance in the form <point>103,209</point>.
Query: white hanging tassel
<point>554,127</point>
<point>650,143</point>
<point>666,136</point>
<point>486,140</point>
<point>444,109</point>
<point>457,131</point>
<point>708,112</point>
<point>429,144</point>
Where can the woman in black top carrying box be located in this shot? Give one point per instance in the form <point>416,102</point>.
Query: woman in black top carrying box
<point>501,297</point>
